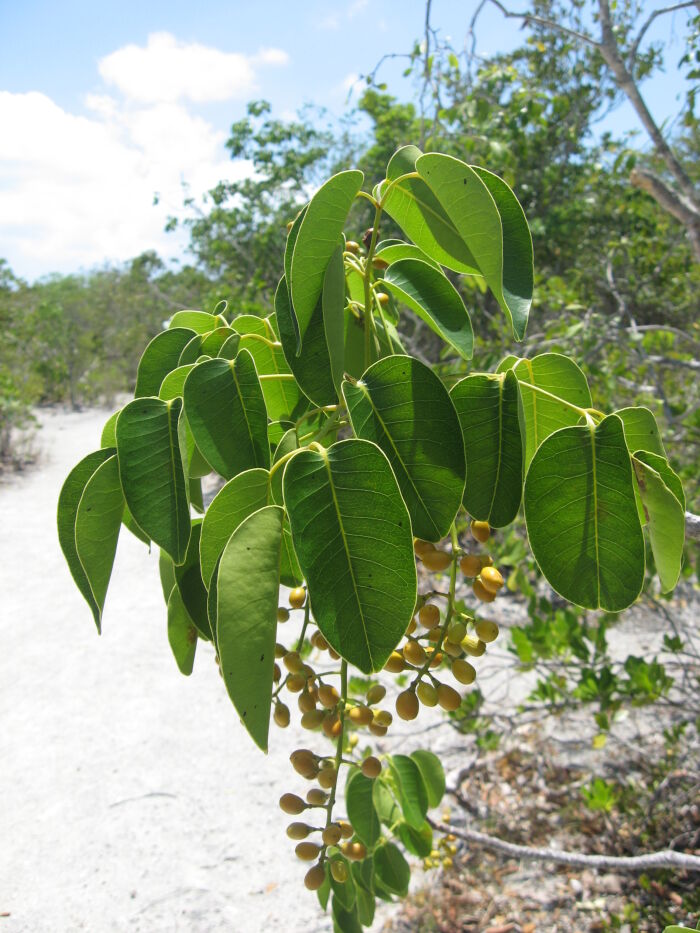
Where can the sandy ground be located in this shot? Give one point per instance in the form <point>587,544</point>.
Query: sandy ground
<point>130,796</point>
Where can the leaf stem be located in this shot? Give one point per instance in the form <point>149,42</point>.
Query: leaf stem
<point>339,743</point>
<point>391,184</point>
<point>369,323</point>
<point>307,611</point>
<point>583,412</point>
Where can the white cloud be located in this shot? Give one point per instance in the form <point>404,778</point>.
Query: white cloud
<point>78,190</point>
<point>333,21</point>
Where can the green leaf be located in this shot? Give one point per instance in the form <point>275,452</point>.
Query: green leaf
<point>582,518</point>
<point>97,523</point>
<point>473,210</point>
<point>395,251</point>
<point>344,891</point>
<point>188,576</point>
<point>361,812</point>
<point>364,900</point>
<point>434,299</point>
<point>159,358</point>
<point>384,803</point>
<point>288,253</point>
<point>312,368</point>
<point>173,386</point>
<point>233,503</point>
<point>166,571</point>
<point>352,535</point>
<point>68,502</point>
<point>290,572</point>
<point>558,376</point>
<point>226,413</point>
<point>413,794</point>
<point>229,349</point>
<point>402,406</point>
<point>344,921</point>
<point>182,633</point>
<point>661,465</point>
<point>283,397</point>
<point>492,421</point>
<point>416,841</point>
<point>665,522</point>
<point>213,342</point>
<point>198,321</point>
<point>333,305</point>
<point>420,215</point>
<point>246,613</point>
<point>151,450</point>
<point>191,352</point>
<point>641,430</point>
<point>316,242</point>
<point>391,869</point>
<point>433,775</point>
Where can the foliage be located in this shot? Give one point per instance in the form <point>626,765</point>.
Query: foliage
<point>338,487</point>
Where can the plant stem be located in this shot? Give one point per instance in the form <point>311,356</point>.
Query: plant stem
<point>450,603</point>
<point>583,412</point>
<point>339,744</point>
<point>307,610</point>
<point>369,328</point>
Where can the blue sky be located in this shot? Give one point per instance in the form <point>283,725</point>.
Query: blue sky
<point>104,104</point>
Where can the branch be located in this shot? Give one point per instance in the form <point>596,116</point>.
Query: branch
<point>692,526</point>
<point>649,20</point>
<point>540,21</point>
<point>672,202</point>
<point>667,858</point>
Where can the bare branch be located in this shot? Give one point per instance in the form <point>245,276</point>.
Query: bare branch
<point>672,202</point>
<point>649,20</point>
<point>667,858</point>
<point>528,18</point>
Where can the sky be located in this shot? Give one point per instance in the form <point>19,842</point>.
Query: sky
<point>106,108</point>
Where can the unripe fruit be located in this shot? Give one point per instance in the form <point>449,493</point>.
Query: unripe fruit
<point>331,725</point>
<point>276,673</point>
<point>414,653</point>
<point>448,698</point>
<point>316,797</point>
<point>328,696</point>
<point>411,627</point>
<point>452,649</point>
<point>297,597</point>
<point>486,630</point>
<point>281,715</point>
<point>422,547</point>
<point>318,641</point>
<point>407,705</point>
<point>435,635</point>
<point>481,593</point>
<point>470,565</point>
<point>429,615</point>
<point>371,767</point>
<point>292,804</point>
<point>352,247</point>
<point>306,702</point>
<point>481,531</point>
<point>298,830</point>
<point>290,224</point>
<point>436,659</point>
<point>360,715</point>
<point>491,579</point>
<point>312,719</point>
<point>427,694</point>
<point>377,730</point>
<point>447,863</point>
<point>473,646</point>
<point>280,650</point>
<point>354,850</point>
<point>380,263</point>
<point>333,653</point>
<point>437,560</point>
<point>307,851</point>
<point>346,830</point>
<point>308,672</point>
<point>339,870</point>
<point>327,778</point>
<point>315,877</point>
<point>463,671</point>
<point>376,693</point>
<point>296,683</point>
<point>282,614</point>
<point>382,298</point>
<point>383,717</point>
<point>304,763</point>
<point>395,663</point>
<point>353,739</point>
<point>486,561</point>
<point>456,632</point>
<point>293,662</point>
<point>331,835</point>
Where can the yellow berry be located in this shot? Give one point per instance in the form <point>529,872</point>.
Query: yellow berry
<point>318,641</point>
<point>327,778</point>
<point>395,663</point>
<point>298,830</point>
<point>353,739</point>
<point>447,863</point>
<point>307,851</point>
<point>276,673</point>
<point>435,635</point>
<point>452,649</point>
<point>297,597</point>
<point>437,560</point>
<point>411,627</point>
<point>422,547</point>
<point>377,730</point>
<point>296,683</point>
<point>382,717</point>
<point>281,715</point>
<point>407,705</point>
<point>429,615</point>
<point>315,877</point>
<point>282,614</point>
<point>292,804</point>
<point>304,763</point>
<point>470,565</point>
<point>486,630</point>
<point>376,694</point>
<point>306,702</point>
<point>312,719</point>
<point>333,653</point>
<point>371,767</point>
<point>331,725</point>
<point>481,531</point>
<point>448,698</point>
<point>346,830</point>
<point>354,850</point>
<point>427,694</point>
<point>316,797</point>
<point>481,593</point>
<point>463,671</point>
<point>328,696</point>
<point>486,561</point>
<point>280,650</point>
<point>473,646</point>
<point>352,247</point>
<point>360,715</point>
<point>293,662</point>
<point>339,870</point>
<point>414,653</point>
<point>456,632</point>
<point>331,835</point>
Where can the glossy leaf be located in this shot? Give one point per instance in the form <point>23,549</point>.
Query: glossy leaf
<point>229,349</point>
<point>188,576</point>
<point>641,430</point>
<point>159,358</point>
<point>97,523</point>
<point>361,812</point>
<point>240,497</point>
<point>68,502</point>
<point>412,792</point>
<point>492,423</point>
<point>665,521</point>
<point>352,535</point>
<point>247,598</point>
<point>433,775</point>
<point>316,242</point>
<point>402,406</point>
<point>474,212</point>
<point>434,299</point>
<point>333,305</point>
<point>198,321</point>
<point>417,841</point>
<point>213,342</point>
<point>182,633</point>
<point>582,518</point>
<point>283,398</point>
<point>151,450</point>
<point>391,869</point>
<point>226,413</point>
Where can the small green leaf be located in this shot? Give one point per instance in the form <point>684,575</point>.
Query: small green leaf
<point>166,571</point>
<point>394,251</point>
<point>433,775</point>
<point>582,517</point>
<point>97,523</point>
<point>333,305</point>
<point>159,358</point>
<point>288,253</point>
<point>316,242</point>
<point>434,299</point>
<point>345,921</point>
<point>361,812</point>
<point>229,349</point>
<point>213,342</point>
<point>182,633</point>
<point>661,465</point>
<point>391,870</point>
<point>413,794</point>
<point>246,614</point>
<point>198,321</point>
<point>492,422</point>
<point>417,841</point>
<point>68,502</point>
<point>226,413</point>
<point>188,576</point>
<point>402,406</point>
<point>151,451</point>
<point>352,535</point>
<point>384,803</point>
<point>641,430</point>
<point>364,899</point>
<point>666,521</point>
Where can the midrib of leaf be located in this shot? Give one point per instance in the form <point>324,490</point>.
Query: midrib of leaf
<point>398,455</point>
<point>591,429</point>
<point>347,554</point>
